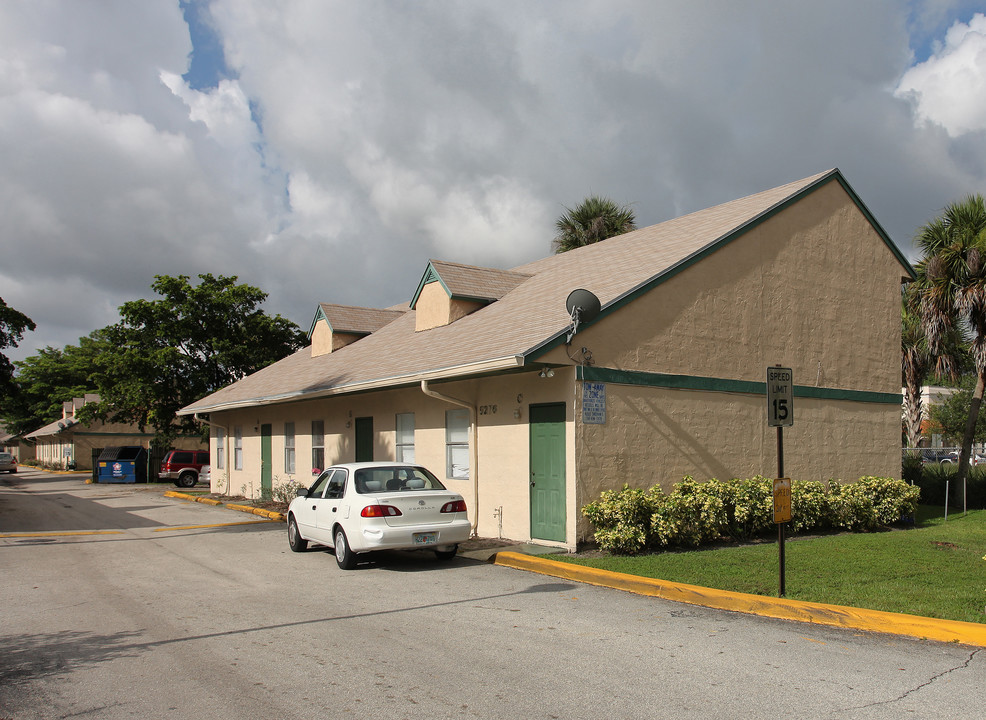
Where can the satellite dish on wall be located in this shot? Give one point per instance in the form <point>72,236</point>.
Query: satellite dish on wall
<point>584,307</point>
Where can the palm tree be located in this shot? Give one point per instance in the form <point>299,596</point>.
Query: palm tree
<point>594,219</point>
<point>915,363</point>
<point>918,362</point>
<point>952,292</point>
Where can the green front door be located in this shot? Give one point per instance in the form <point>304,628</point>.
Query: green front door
<point>266,487</point>
<point>548,472</point>
<point>364,439</point>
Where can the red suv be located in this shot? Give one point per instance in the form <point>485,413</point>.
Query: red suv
<point>183,466</point>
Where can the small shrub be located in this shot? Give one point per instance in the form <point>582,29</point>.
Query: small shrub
<point>872,502</point>
<point>810,506</point>
<point>631,520</point>
<point>912,468</point>
<point>752,509</point>
<point>622,518</point>
<point>286,492</point>
<point>693,513</point>
<point>933,478</point>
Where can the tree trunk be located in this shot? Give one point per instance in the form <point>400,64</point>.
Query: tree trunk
<point>970,433</point>
<point>914,413</point>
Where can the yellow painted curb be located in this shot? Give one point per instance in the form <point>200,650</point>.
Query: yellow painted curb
<point>966,633</point>
<point>269,514</point>
<point>273,515</point>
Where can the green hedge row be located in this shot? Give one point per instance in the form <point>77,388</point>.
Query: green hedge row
<point>632,520</point>
<point>932,479</point>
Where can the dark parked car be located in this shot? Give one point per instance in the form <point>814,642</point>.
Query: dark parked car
<point>184,466</point>
<point>8,462</point>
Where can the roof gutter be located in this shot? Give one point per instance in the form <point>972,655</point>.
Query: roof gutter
<point>473,446</point>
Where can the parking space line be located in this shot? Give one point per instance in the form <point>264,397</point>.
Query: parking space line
<point>61,534</point>
<point>215,525</point>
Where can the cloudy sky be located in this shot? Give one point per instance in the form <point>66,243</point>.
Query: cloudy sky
<point>324,151</point>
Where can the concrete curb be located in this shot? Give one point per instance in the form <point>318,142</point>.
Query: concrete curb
<point>271,514</point>
<point>956,631</point>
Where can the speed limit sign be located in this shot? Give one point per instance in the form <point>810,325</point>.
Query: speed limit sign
<point>780,397</point>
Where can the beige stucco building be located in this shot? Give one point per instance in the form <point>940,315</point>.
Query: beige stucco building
<point>480,379</point>
<point>71,444</point>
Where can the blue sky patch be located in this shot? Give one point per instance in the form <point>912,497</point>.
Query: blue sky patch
<point>208,63</point>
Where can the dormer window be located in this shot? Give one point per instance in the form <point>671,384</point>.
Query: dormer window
<point>336,326</point>
<point>449,291</point>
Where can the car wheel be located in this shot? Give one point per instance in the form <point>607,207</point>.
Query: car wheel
<point>297,543</point>
<point>345,557</point>
<point>186,480</point>
<point>447,554</point>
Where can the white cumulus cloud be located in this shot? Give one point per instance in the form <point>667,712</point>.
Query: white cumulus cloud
<point>949,88</point>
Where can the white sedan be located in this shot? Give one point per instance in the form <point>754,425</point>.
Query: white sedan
<point>356,508</point>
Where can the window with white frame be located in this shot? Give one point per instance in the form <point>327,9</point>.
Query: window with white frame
<point>220,448</point>
<point>289,447</point>
<point>318,446</point>
<point>405,437</point>
<point>237,448</point>
<point>457,443</point>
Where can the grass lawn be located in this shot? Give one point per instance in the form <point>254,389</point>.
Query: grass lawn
<point>935,569</point>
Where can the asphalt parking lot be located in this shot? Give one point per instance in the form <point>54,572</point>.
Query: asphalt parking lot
<point>122,602</point>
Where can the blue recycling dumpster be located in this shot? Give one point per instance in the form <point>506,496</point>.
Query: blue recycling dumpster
<point>122,464</point>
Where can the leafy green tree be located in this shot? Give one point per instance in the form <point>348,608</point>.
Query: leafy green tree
<point>44,381</point>
<point>594,219</point>
<point>169,352</point>
<point>952,290</point>
<point>950,414</point>
<point>13,325</point>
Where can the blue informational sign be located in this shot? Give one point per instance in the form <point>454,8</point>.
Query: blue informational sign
<point>594,403</point>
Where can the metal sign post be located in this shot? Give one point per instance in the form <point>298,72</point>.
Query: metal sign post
<point>780,413</point>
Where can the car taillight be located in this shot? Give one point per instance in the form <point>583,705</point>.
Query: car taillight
<point>454,506</point>
<point>380,511</point>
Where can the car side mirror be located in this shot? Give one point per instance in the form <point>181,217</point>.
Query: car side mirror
<point>302,492</point>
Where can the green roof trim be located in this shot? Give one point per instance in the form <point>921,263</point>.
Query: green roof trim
<point>319,315</point>
<point>724,385</point>
<point>715,245</point>
<point>431,275</point>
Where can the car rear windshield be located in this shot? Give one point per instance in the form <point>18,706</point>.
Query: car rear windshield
<point>395,479</point>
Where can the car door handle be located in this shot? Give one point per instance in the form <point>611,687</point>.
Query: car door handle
<point>314,506</point>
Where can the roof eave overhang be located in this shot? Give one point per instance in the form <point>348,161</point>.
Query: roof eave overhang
<point>456,372</point>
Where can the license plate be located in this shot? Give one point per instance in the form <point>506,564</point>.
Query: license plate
<point>428,538</point>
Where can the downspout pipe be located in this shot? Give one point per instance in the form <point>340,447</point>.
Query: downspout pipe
<point>473,446</point>
<point>225,428</point>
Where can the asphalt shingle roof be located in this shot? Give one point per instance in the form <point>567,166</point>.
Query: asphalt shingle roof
<point>357,320</point>
<point>476,283</point>
<point>528,316</point>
